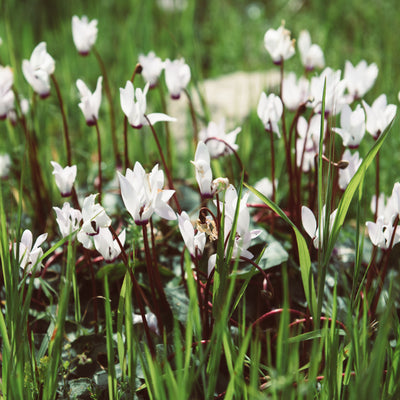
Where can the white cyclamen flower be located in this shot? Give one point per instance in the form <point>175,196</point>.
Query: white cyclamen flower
<point>346,174</point>
<point>152,67</point>
<point>134,104</point>
<point>177,76</point>
<point>5,164</point>
<point>311,55</point>
<point>307,144</point>
<point>90,103</point>
<point>360,78</point>
<point>65,178</point>
<point>68,219</point>
<point>279,44</point>
<point>84,34</point>
<point>379,115</point>
<point>28,255</point>
<point>143,194</point>
<point>334,95</point>
<point>94,217</point>
<point>203,171</point>
<point>352,126</point>
<point>38,69</point>
<point>213,132</point>
<point>107,246</point>
<point>194,242</point>
<point>269,110</point>
<point>382,234</point>
<point>310,224</point>
<point>295,93</point>
<point>6,93</point>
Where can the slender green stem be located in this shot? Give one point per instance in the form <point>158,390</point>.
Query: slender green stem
<point>64,118</point>
<point>377,172</point>
<point>109,99</point>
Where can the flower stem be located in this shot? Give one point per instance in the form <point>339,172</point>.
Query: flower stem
<point>167,131</point>
<point>137,293</point>
<point>109,99</point>
<point>377,185</point>
<point>64,118</point>
<point>167,171</point>
<point>194,120</point>
<point>99,159</point>
<point>137,70</point>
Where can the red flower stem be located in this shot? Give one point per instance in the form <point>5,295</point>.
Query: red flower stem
<point>194,120</point>
<point>64,119</point>
<point>137,70</point>
<point>167,171</point>
<point>154,280</point>
<point>110,103</point>
<point>167,131</point>
<point>99,160</point>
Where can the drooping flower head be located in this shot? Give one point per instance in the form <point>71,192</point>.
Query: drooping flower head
<point>279,44</point>
<point>215,131</point>
<point>311,55</point>
<point>28,255</point>
<point>84,34</point>
<point>346,174</point>
<point>94,217</point>
<point>38,69</point>
<point>65,178</point>
<point>194,242</point>
<point>108,247</point>
<point>269,111</point>
<point>203,171</point>
<point>379,115</point>
<point>352,126</point>
<point>152,67</point>
<point>177,76</point>
<point>143,194</point>
<point>90,102</point>
<point>334,95</point>
<point>311,227</point>
<point>68,219</point>
<point>295,92</point>
<point>6,94</point>
<point>5,164</point>
<point>360,78</point>
<point>134,104</point>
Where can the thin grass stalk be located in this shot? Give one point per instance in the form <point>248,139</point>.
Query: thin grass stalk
<point>55,345</point>
<point>107,88</point>
<point>111,375</point>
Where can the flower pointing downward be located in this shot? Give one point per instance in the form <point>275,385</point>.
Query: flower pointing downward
<point>133,104</point>
<point>28,255</point>
<point>90,103</point>
<point>38,69</point>
<point>84,34</point>
<point>143,194</point>
<point>64,177</point>
<point>310,224</point>
<point>107,246</point>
